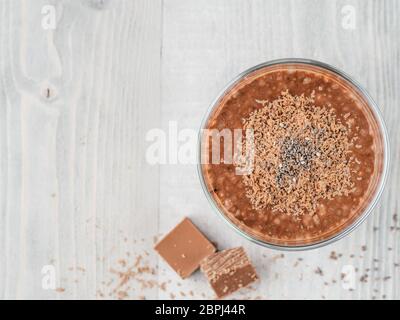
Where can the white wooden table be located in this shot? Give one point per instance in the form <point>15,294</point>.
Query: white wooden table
<point>80,205</point>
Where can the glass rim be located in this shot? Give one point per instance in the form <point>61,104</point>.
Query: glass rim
<point>380,185</point>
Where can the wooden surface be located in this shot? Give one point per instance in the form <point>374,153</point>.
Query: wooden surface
<point>76,191</point>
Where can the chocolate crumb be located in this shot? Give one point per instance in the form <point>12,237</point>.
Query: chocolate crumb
<point>319,271</point>
<point>333,255</point>
<point>364,278</point>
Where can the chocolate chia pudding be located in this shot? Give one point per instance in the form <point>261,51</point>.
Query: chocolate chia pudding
<point>317,152</point>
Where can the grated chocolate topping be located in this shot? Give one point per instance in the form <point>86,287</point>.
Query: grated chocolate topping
<point>302,155</point>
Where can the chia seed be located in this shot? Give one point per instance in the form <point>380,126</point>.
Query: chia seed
<point>296,155</point>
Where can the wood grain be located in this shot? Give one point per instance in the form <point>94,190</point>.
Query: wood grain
<point>205,45</point>
<point>76,191</point>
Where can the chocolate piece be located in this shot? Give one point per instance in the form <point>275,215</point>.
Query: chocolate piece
<point>228,271</point>
<point>184,247</point>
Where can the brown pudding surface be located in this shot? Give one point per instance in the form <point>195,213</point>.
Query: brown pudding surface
<point>329,215</point>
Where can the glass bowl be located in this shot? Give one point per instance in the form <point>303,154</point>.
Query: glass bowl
<point>383,154</point>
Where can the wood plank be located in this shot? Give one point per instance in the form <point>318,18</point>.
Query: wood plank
<point>207,43</point>
<point>76,191</point>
